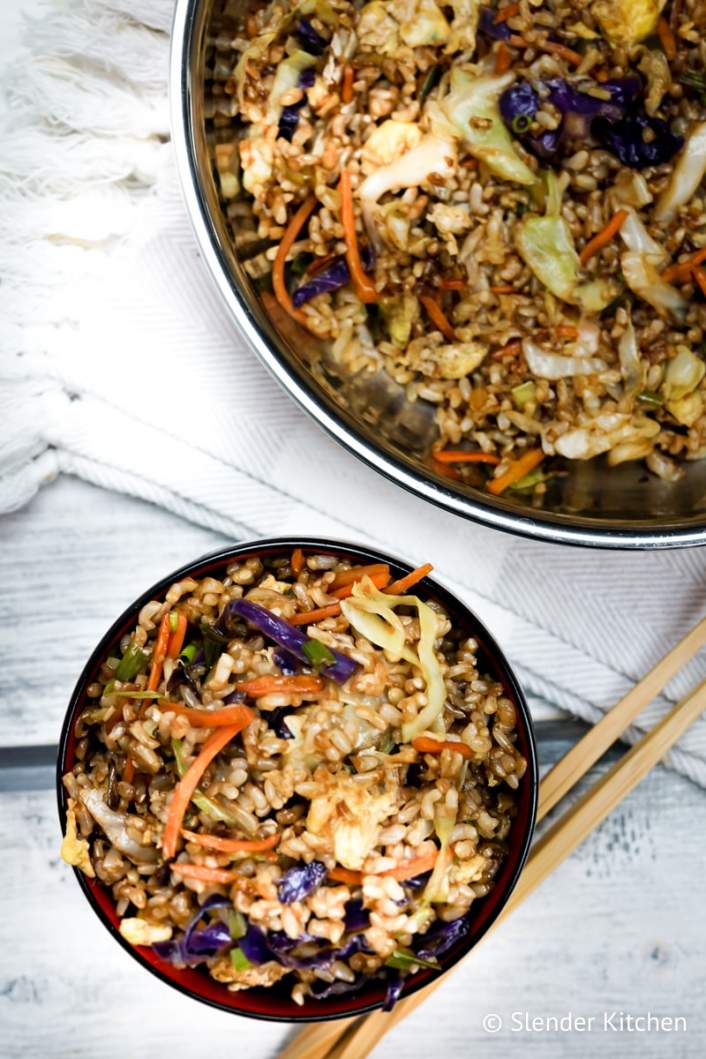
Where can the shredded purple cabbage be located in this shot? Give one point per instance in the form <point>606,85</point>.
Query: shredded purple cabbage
<point>395,985</point>
<point>196,946</point>
<point>320,989</point>
<point>235,696</point>
<point>309,38</point>
<point>289,118</point>
<point>260,947</point>
<point>286,661</point>
<point>491,28</point>
<point>300,881</point>
<point>441,937</point>
<point>625,139</point>
<point>335,276</point>
<point>287,636</point>
<point>418,882</point>
<point>277,721</point>
<point>254,945</point>
<point>356,917</point>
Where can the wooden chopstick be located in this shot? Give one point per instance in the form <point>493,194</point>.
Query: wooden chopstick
<point>324,1040</point>
<point>560,840</point>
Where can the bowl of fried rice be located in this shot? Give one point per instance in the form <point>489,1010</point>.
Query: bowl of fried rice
<point>470,239</point>
<point>297,780</point>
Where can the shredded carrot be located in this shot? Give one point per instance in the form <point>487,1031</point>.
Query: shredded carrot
<point>667,39</point>
<point>512,349</point>
<point>379,579</point>
<point>310,616</point>
<point>568,54</point>
<point>503,58</point>
<point>407,869</point>
<point>700,277</point>
<point>517,469</point>
<point>567,331</point>
<point>228,717</point>
<point>159,653</point>
<point>288,239</point>
<point>318,264</point>
<point>129,771</point>
<point>303,684</point>
<point>364,286</point>
<point>461,456</point>
<point>187,785</point>
<point>403,584</point>
<point>437,316</point>
<point>596,244</point>
<point>446,470</point>
<point>297,561</point>
<point>425,745</point>
<point>683,269</point>
<point>347,577</point>
<point>176,640</point>
<point>202,873</point>
<point>347,84</point>
<point>452,283</point>
<point>509,11</point>
<point>506,288</point>
<point>233,845</point>
<point>601,75</point>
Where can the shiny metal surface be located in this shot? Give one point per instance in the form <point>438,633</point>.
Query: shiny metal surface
<point>623,507</point>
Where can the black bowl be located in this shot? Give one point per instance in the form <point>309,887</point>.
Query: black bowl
<point>275,1004</point>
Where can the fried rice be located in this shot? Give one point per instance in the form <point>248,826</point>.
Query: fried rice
<point>526,219</point>
<point>295,770</point>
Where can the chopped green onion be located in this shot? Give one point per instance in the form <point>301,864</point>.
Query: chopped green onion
<point>651,398</point>
<point>387,743</point>
<point>206,805</point>
<point>523,394</point>
<point>695,79</point>
<point>239,959</point>
<point>403,959</point>
<point>318,654</point>
<point>529,481</point>
<point>188,654</point>
<point>173,620</point>
<point>521,123</point>
<point>128,694</point>
<point>236,924</point>
<point>431,80</point>
<point>134,661</point>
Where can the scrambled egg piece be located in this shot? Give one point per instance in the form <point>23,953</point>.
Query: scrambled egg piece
<point>351,815</point>
<point>628,21</point>
<point>140,932</point>
<point>389,140</point>
<point>74,850</point>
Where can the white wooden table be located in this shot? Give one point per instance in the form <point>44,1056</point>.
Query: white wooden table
<point>619,927</point>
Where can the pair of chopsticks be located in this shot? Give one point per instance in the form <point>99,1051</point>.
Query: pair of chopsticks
<point>355,1038</point>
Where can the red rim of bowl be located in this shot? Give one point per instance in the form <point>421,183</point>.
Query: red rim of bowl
<point>275,1004</point>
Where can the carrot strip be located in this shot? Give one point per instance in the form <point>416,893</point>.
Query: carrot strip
<point>129,771</point>
<point>509,11</point>
<point>437,316</point>
<point>425,745</point>
<point>512,349</point>
<point>187,785</point>
<point>452,283</point>
<point>518,469</point>
<point>683,269</point>
<point>460,456</point>
<point>364,286</point>
<point>567,331</point>
<point>399,587</point>
<point>596,244</point>
<point>380,580</point>
<point>303,684</point>
<point>318,264</point>
<point>408,869</point>
<point>288,239</point>
<point>700,277</point>
<point>159,653</point>
<point>228,717</point>
<point>347,577</point>
<point>202,873</point>
<point>297,561</point>
<point>601,75</point>
<point>347,84</point>
<point>571,56</point>
<point>310,616</point>
<point>667,39</point>
<point>233,845</point>
<point>503,58</point>
<point>506,288</point>
<point>176,640</point>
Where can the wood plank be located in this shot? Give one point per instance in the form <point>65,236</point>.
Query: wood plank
<point>618,927</point>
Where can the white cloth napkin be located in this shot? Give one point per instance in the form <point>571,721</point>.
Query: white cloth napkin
<point>120,365</point>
